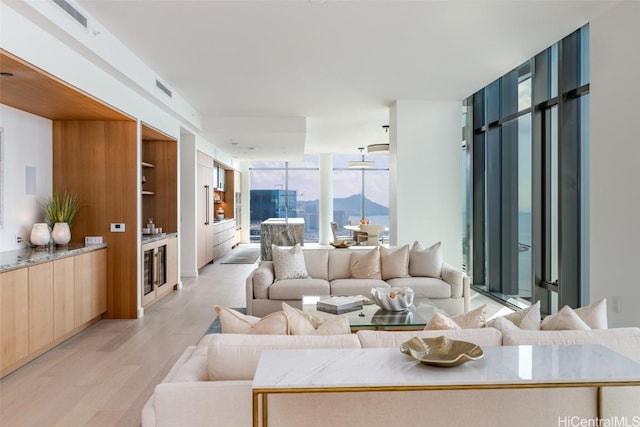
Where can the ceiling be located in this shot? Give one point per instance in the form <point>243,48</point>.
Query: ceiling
<point>276,78</point>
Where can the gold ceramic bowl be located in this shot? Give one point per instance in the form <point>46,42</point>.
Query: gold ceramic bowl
<point>441,351</point>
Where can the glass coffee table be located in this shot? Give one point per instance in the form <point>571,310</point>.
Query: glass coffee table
<point>373,317</point>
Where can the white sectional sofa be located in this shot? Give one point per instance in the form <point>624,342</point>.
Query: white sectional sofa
<point>211,385</point>
<point>330,274</point>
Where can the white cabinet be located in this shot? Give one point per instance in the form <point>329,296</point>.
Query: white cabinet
<point>205,210</point>
<point>223,238</point>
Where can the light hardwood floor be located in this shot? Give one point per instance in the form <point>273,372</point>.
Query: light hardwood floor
<point>104,375</point>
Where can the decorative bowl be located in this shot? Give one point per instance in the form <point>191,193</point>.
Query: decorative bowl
<point>441,351</point>
<point>393,299</point>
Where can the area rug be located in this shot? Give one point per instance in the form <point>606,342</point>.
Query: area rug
<point>241,256</point>
<point>216,328</point>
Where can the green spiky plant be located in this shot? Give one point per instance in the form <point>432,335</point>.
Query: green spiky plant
<point>61,208</point>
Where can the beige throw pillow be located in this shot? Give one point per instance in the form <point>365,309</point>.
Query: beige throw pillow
<point>564,320</point>
<point>473,319</point>
<point>289,263</point>
<point>394,263</point>
<point>594,315</point>
<point>528,318</point>
<point>233,322</point>
<point>365,265</point>
<point>301,323</point>
<point>425,262</point>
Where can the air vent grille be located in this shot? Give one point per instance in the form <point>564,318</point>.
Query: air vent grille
<point>163,88</point>
<point>75,14</point>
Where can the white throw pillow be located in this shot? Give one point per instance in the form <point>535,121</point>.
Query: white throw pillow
<point>503,324</point>
<point>564,320</point>
<point>301,323</point>
<point>473,319</point>
<point>233,322</point>
<point>528,318</point>
<point>594,315</point>
<point>425,262</point>
<point>394,263</point>
<point>289,263</point>
<point>365,265</point>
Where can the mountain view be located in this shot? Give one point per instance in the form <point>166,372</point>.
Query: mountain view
<point>349,205</point>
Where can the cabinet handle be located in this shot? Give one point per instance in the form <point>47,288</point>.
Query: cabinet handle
<point>206,191</point>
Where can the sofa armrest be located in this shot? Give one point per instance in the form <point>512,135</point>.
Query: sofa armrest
<point>201,403</point>
<point>460,283</point>
<point>258,282</point>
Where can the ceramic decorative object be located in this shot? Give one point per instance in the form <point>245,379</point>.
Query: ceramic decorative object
<point>441,351</point>
<point>393,299</point>
<point>40,235</point>
<point>61,233</point>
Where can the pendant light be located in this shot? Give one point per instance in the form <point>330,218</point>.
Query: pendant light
<point>360,164</point>
<point>379,148</point>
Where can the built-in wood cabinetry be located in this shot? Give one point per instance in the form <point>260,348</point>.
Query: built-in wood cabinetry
<point>46,303</point>
<point>224,233</point>
<point>159,269</point>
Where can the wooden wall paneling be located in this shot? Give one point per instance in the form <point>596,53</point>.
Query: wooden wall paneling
<point>40,305</point>
<point>63,296</point>
<point>14,316</point>
<point>98,160</point>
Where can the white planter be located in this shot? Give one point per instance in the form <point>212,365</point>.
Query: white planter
<point>40,234</point>
<point>61,233</point>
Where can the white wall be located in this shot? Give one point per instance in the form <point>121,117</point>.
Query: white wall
<point>188,203</point>
<point>426,191</point>
<point>27,142</point>
<point>614,158</point>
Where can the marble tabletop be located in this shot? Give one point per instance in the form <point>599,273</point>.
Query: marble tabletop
<point>388,367</point>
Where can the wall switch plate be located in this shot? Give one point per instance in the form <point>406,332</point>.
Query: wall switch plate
<point>117,227</point>
<point>92,240</point>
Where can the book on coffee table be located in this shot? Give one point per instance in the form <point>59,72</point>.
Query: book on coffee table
<point>339,305</point>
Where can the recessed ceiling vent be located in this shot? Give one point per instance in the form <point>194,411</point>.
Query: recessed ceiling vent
<point>75,13</point>
<point>163,88</point>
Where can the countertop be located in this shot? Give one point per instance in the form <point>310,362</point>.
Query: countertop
<point>283,221</point>
<point>220,220</point>
<point>150,238</point>
<point>18,258</point>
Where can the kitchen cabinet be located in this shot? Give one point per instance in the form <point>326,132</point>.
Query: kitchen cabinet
<point>159,269</point>
<point>223,238</point>
<point>204,210</point>
<point>45,303</point>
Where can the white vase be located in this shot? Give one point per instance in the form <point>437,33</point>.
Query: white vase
<point>40,234</point>
<point>61,234</point>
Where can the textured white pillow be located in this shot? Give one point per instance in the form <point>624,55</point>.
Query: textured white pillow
<point>233,322</point>
<point>594,315</point>
<point>365,265</point>
<point>473,319</point>
<point>301,323</point>
<point>289,263</point>
<point>425,262</point>
<point>528,318</point>
<point>564,320</point>
<point>394,263</point>
<point>503,324</point>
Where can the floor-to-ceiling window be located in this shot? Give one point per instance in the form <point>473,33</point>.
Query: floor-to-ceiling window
<point>285,190</point>
<point>360,193</point>
<point>525,153</point>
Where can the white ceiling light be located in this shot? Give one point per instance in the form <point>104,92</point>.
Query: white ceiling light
<point>379,148</point>
<point>360,164</point>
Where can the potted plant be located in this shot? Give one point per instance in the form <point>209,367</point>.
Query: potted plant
<point>61,211</point>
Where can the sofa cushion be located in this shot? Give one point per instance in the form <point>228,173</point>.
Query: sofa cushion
<point>427,287</point>
<point>289,263</point>
<point>565,319</point>
<point>233,322</point>
<point>301,323</point>
<point>625,341</point>
<point>483,337</point>
<point>425,262</point>
<point>339,264</point>
<point>235,357</point>
<point>317,262</point>
<point>473,319</point>
<point>295,289</point>
<point>356,286</point>
<point>454,278</point>
<point>263,277</point>
<point>594,315</point>
<point>365,265</point>
<point>528,318</point>
<point>394,263</point>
